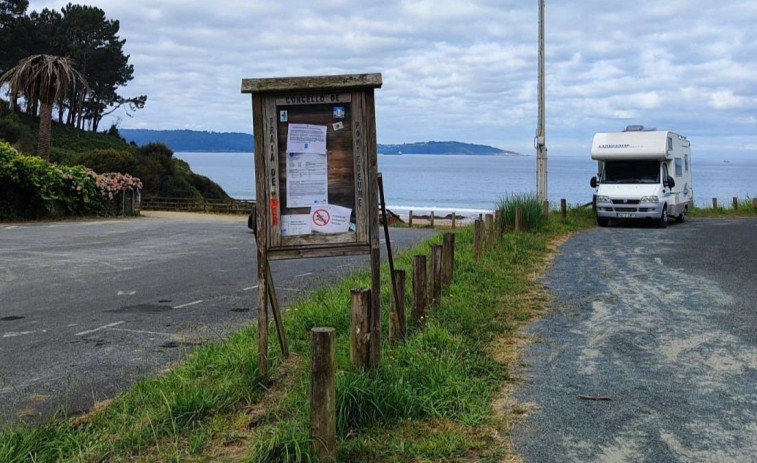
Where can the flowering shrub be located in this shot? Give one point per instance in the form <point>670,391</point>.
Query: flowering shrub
<point>33,188</point>
<point>112,183</point>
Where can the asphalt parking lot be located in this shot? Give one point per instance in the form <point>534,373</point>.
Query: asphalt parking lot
<point>651,353</point>
<point>89,307</point>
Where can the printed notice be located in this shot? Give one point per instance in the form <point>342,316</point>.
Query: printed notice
<point>327,218</point>
<point>306,138</point>
<point>307,169</point>
<point>295,224</point>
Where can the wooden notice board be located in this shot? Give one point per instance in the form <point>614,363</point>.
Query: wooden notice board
<point>316,174</point>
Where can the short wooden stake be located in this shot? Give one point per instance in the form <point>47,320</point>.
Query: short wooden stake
<point>454,219</point>
<point>754,203</point>
<point>419,290</point>
<point>410,219</point>
<point>714,203</point>
<point>489,233</point>
<point>518,219</point>
<point>499,224</point>
<point>360,327</point>
<point>564,208</point>
<point>323,394</point>
<point>431,219</point>
<point>436,275</point>
<point>478,237</point>
<point>398,327</point>
<point>735,203</point>
<point>448,258</point>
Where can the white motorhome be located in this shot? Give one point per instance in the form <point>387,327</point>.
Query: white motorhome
<point>642,174</point>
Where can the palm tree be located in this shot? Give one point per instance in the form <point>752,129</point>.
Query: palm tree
<point>45,79</point>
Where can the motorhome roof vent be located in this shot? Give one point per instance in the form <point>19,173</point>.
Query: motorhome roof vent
<point>638,128</point>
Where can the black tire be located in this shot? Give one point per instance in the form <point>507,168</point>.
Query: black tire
<point>663,221</point>
<point>602,222</point>
<point>681,218</point>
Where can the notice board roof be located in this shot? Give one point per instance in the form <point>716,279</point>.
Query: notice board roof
<point>286,84</point>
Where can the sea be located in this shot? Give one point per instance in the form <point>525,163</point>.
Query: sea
<point>469,185</point>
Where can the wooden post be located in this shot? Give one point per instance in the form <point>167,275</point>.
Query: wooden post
<point>754,203</point>
<point>454,218</point>
<point>499,224</point>
<point>410,219</point>
<point>714,203</point>
<point>477,239</point>
<point>489,233</point>
<point>419,290</point>
<point>735,203</point>
<point>564,208</point>
<point>323,394</point>
<point>518,219</point>
<point>398,327</point>
<point>448,258</point>
<point>431,220</point>
<point>545,207</point>
<point>360,327</point>
<point>276,310</point>
<point>436,275</point>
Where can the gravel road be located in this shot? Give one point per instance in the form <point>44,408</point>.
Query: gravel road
<point>661,326</point>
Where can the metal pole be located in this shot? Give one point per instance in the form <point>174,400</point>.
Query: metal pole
<point>541,131</point>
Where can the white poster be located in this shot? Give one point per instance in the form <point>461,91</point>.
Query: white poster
<point>307,169</point>
<point>328,218</point>
<point>295,224</point>
<point>307,179</point>
<point>306,138</point>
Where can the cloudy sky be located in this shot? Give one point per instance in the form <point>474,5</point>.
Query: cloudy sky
<point>454,69</point>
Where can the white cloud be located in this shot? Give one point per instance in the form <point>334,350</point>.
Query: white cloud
<point>451,69</point>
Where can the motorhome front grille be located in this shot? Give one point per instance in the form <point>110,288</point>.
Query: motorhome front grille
<point>625,209</point>
<point>625,201</point>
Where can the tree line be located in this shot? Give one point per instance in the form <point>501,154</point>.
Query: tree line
<point>89,40</point>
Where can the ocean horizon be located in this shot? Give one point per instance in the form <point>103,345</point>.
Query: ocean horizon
<point>473,184</point>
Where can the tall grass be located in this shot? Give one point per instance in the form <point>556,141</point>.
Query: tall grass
<point>534,216</point>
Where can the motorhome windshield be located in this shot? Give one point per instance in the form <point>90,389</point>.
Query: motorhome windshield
<point>631,172</point>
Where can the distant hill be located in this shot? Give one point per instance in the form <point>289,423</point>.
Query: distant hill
<point>229,142</point>
<point>192,140</point>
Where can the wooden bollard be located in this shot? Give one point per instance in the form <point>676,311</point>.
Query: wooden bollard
<point>436,275</point>
<point>714,203</point>
<point>499,224</point>
<point>398,326</point>
<point>489,233</point>
<point>454,219</point>
<point>323,394</point>
<point>410,219</point>
<point>518,219</point>
<point>735,203</point>
<point>448,258</point>
<point>477,239</point>
<point>360,308</point>
<point>754,203</point>
<point>564,208</point>
<point>419,290</point>
<point>431,219</point>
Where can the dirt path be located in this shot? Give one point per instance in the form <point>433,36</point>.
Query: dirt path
<point>652,353</point>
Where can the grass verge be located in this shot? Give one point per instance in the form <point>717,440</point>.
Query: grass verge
<point>430,400</point>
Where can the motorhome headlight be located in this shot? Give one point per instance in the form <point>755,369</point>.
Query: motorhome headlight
<point>603,199</point>
<point>650,199</point>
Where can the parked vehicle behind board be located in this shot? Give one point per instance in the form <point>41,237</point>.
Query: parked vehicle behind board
<point>643,174</point>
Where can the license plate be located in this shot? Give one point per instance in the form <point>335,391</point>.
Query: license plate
<point>625,214</point>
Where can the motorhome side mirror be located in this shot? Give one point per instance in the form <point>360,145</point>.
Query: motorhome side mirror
<point>671,182</point>
<point>593,182</point>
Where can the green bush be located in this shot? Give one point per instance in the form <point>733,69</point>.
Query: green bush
<point>33,188</point>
